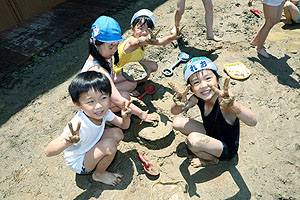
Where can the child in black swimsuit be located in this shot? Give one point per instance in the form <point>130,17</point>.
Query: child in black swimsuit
<point>217,137</point>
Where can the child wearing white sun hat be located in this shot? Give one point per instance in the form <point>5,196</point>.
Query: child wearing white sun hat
<point>217,137</point>
<point>134,47</point>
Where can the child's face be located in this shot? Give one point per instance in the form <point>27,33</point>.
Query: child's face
<point>199,82</point>
<point>94,105</point>
<point>140,29</point>
<point>108,49</point>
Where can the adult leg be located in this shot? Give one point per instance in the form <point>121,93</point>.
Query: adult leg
<point>208,5</point>
<point>178,14</point>
<point>102,154</point>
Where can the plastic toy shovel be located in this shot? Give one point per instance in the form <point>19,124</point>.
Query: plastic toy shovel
<point>149,168</point>
<point>182,57</point>
<point>149,89</point>
<point>255,12</point>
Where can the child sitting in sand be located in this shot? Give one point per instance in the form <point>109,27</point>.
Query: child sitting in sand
<point>133,48</point>
<point>103,45</point>
<point>217,138</point>
<point>291,11</point>
<point>91,146</point>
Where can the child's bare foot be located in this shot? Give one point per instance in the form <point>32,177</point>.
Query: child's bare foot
<point>263,53</point>
<point>107,178</point>
<point>214,38</point>
<point>197,162</point>
<point>253,44</point>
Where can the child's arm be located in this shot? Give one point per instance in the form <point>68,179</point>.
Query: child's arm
<point>165,40</point>
<point>123,122</point>
<point>59,144</point>
<point>227,102</point>
<point>119,100</point>
<point>135,43</point>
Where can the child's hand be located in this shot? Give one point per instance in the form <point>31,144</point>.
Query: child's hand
<point>250,3</point>
<point>150,118</point>
<point>73,136</point>
<point>178,31</point>
<point>226,99</point>
<point>179,98</point>
<point>151,37</point>
<point>126,111</point>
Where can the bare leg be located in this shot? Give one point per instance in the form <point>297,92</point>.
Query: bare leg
<point>291,12</point>
<point>151,66</point>
<point>206,148</point>
<point>102,154</point>
<point>114,108</point>
<point>178,14</point>
<point>271,18</point>
<point>287,12</point>
<point>208,5</point>
<point>122,84</point>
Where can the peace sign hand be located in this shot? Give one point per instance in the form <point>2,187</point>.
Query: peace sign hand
<point>74,136</point>
<point>151,37</point>
<point>179,98</point>
<point>226,99</point>
<point>126,111</point>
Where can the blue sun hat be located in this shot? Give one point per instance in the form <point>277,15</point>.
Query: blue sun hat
<point>106,29</point>
<point>143,12</point>
<point>197,64</point>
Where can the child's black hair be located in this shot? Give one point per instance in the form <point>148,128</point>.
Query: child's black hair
<point>143,20</point>
<point>86,81</point>
<point>93,50</point>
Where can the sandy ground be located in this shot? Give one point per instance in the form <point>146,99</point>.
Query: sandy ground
<point>35,107</point>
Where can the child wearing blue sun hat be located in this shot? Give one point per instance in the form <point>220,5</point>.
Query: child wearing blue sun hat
<point>217,137</point>
<point>103,48</point>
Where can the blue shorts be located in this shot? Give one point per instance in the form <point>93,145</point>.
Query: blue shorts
<point>227,154</point>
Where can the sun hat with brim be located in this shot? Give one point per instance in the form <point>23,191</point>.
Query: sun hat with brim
<point>143,12</point>
<point>106,29</point>
<point>197,64</point>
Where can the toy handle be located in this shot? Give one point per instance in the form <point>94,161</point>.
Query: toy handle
<point>143,160</point>
<point>142,95</point>
<point>173,66</point>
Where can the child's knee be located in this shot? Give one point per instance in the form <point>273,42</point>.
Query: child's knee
<point>177,123</point>
<point>195,141</point>
<point>117,134</point>
<point>154,67</point>
<point>110,146</point>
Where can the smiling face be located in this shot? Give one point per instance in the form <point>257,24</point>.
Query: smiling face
<point>94,105</point>
<point>108,49</point>
<point>199,82</point>
<point>140,29</point>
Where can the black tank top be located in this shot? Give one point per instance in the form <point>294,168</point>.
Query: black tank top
<point>217,127</point>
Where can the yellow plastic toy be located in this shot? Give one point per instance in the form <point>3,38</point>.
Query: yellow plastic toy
<point>237,70</point>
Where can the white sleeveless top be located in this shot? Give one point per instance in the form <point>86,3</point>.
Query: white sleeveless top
<point>91,63</point>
